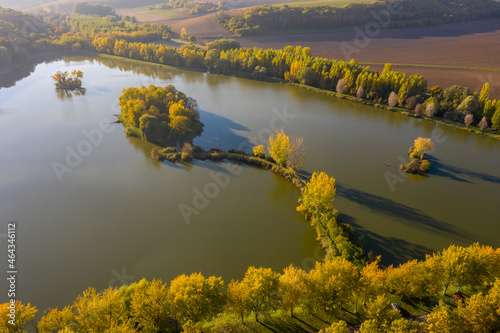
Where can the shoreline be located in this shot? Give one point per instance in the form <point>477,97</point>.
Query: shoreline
<point>406,112</point>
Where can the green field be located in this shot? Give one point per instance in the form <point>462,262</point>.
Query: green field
<point>176,13</point>
<point>309,3</point>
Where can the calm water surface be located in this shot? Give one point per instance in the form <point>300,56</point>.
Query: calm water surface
<point>115,217</point>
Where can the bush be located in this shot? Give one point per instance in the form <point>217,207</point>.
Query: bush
<point>133,131</point>
<point>418,109</point>
<point>198,150</point>
<point>393,99</point>
<point>170,150</point>
<point>259,151</point>
<point>424,166</point>
<point>215,149</point>
<point>186,152</point>
<point>155,154</point>
<point>483,124</point>
<point>430,110</point>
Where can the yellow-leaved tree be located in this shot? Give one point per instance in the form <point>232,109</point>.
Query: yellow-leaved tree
<point>17,321</point>
<point>196,298</point>
<point>149,306</point>
<point>291,288</point>
<point>278,147</point>
<point>422,145</point>
<point>318,195</point>
<point>261,289</point>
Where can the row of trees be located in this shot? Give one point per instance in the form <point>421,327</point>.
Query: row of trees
<point>403,13</point>
<point>329,291</point>
<point>98,9</point>
<point>193,6</point>
<point>163,116</point>
<point>294,64</point>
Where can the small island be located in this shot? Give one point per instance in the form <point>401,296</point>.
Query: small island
<point>419,163</point>
<point>68,84</point>
<point>163,116</point>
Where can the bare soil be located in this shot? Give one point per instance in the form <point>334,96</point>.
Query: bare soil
<point>468,44</point>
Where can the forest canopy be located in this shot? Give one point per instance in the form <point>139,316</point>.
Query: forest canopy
<point>98,9</point>
<point>393,14</point>
<point>163,116</point>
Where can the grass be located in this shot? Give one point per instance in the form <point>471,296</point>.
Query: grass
<point>173,14</point>
<point>434,66</point>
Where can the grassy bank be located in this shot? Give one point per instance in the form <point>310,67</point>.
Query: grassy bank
<point>217,155</point>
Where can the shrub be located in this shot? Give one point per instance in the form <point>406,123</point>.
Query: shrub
<point>360,93</point>
<point>133,131</point>
<point>469,119</point>
<point>259,151</point>
<point>170,150</point>
<point>198,149</point>
<point>418,109</point>
<point>155,154</point>
<point>186,152</point>
<point>424,166</point>
<point>340,86</point>
<point>430,110</point>
<point>214,149</point>
<point>393,99</point>
<point>411,102</point>
<point>483,124</point>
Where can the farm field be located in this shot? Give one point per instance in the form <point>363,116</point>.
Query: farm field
<point>441,47</point>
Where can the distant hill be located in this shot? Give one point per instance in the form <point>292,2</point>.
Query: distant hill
<point>396,14</point>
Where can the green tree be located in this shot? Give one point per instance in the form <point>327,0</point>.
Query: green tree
<point>495,120</point>
<point>279,147</point>
<point>318,195</point>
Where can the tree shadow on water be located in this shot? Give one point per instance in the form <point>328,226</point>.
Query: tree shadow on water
<point>393,250</point>
<point>445,170</point>
<point>219,133</point>
<point>403,213</point>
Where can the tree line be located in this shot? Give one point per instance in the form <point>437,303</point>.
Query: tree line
<point>329,291</point>
<point>294,64</point>
<point>193,6</point>
<point>396,14</point>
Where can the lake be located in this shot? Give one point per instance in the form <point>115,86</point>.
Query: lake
<point>112,215</point>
